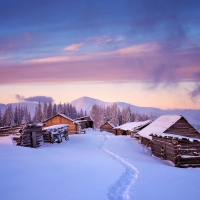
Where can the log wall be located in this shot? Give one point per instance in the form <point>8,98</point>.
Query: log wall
<point>182,152</point>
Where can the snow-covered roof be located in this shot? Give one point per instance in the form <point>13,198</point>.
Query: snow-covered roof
<point>111,124</point>
<point>58,126</point>
<point>79,121</point>
<point>174,136</point>
<point>84,117</point>
<point>62,116</point>
<point>161,124</point>
<point>133,125</point>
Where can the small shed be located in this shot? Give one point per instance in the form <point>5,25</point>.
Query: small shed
<point>107,126</point>
<point>182,151</point>
<point>74,127</point>
<point>131,128</point>
<point>29,136</point>
<point>172,124</point>
<point>85,122</point>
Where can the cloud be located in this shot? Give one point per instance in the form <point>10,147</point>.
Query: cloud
<point>73,47</point>
<point>103,39</point>
<point>195,93</point>
<point>42,99</point>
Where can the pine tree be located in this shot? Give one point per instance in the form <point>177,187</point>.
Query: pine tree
<point>119,116</point>
<point>137,117</point>
<point>74,112</point>
<point>151,116</point>
<point>49,110</point>
<point>16,116</point>
<point>26,115</point>
<point>45,111</point>
<point>54,109</point>
<point>8,118</point>
<point>39,112</point>
<point>81,113</point>
<point>1,120</point>
<point>60,108</point>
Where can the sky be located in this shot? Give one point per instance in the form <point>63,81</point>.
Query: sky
<point>143,52</point>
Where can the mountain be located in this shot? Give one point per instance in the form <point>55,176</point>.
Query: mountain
<point>86,103</point>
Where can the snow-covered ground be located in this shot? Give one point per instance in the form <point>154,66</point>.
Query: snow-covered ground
<point>92,166</point>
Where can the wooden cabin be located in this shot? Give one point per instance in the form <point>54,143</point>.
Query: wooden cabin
<point>73,127</point>
<point>85,122</point>
<point>107,127</point>
<point>172,124</point>
<point>131,128</point>
<point>182,151</point>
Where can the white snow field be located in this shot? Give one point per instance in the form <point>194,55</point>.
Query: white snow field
<point>92,166</point>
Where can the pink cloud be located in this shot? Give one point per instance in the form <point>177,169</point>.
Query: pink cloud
<point>73,47</point>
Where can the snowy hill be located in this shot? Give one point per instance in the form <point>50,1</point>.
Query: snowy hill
<point>86,103</point>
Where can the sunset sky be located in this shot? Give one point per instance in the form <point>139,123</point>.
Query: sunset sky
<point>143,52</point>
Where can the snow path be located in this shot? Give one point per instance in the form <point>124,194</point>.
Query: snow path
<point>120,190</point>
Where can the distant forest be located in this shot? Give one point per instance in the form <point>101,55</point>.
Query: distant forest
<point>100,115</point>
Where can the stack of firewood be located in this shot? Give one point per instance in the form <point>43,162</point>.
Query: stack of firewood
<point>31,136</point>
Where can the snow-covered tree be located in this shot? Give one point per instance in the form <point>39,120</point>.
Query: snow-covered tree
<point>38,113</point>
<point>81,113</point>
<point>137,117</point>
<point>114,114</point>
<point>74,113</point>
<point>95,114</point>
<point>151,116</point>
<point>1,120</point>
<point>45,111</point>
<point>60,108</point>
<point>54,109</point>
<point>49,110</point>
<point>8,118</point>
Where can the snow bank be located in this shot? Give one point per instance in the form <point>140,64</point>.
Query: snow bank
<point>92,166</point>
<point>6,140</point>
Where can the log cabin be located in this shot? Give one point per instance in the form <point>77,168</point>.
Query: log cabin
<point>85,122</point>
<point>73,128</point>
<point>172,124</point>
<point>182,151</point>
<point>107,126</point>
<point>131,128</point>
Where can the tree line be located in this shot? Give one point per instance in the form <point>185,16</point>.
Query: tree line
<point>21,115</point>
<point>114,115</point>
<point>100,115</point>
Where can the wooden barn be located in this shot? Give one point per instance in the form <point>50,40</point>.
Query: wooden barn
<point>107,127</point>
<point>182,151</point>
<point>172,124</point>
<point>85,122</point>
<point>131,128</point>
<point>73,128</point>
